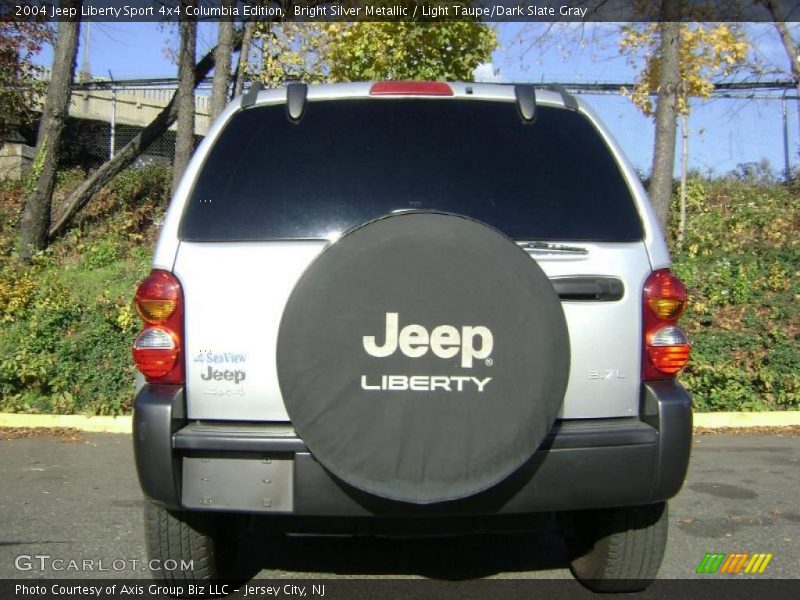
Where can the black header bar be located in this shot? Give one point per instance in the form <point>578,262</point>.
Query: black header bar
<point>394,10</point>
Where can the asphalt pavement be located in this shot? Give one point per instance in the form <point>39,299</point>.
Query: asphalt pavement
<point>76,498</point>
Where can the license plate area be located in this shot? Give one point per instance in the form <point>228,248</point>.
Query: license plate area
<point>242,482</point>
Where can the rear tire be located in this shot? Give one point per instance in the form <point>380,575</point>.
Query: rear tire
<point>203,541</point>
<point>616,550</point>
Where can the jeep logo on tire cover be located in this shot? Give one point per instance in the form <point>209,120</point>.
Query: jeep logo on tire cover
<point>414,341</point>
<point>444,341</point>
<point>423,357</point>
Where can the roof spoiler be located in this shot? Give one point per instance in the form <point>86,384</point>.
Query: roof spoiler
<point>249,98</point>
<point>526,102</point>
<point>567,98</point>
<point>296,94</point>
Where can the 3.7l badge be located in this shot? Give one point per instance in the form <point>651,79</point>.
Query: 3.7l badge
<point>606,374</point>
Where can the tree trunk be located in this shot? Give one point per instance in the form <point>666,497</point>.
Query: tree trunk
<point>184,134</point>
<point>244,55</point>
<point>36,214</point>
<point>786,37</point>
<point>222,65</point>
<point>666,118</point>
<point>684,172</point>
<point>81,196</point>
<point>789,44</point>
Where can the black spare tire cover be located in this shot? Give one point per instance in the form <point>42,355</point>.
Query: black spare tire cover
<point>423,357</point>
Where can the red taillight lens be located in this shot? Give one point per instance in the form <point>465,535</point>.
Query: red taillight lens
<point>665,295</point>
<point>411,88</point>
<point>155,352</point>
<point>158,296</point>
<point>157,349</point>
<point>666,348</point>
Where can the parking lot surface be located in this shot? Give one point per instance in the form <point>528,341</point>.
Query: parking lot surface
<point>75,497</point>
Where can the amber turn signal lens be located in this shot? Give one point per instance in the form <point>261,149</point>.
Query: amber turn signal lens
<point>665,295</point>
<point>667,308</point>
<point>155,311</point>
<point>157,297</point>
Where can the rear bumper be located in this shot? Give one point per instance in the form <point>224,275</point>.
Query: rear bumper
<point>267,468</point>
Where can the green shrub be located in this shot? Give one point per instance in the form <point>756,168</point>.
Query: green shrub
<point>741,265</point>
<point>68,350</point>
<point>67,321</point>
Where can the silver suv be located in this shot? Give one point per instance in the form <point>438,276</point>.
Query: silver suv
<point>415,300</point>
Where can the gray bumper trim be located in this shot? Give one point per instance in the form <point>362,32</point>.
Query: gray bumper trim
<point>158,412</point>
<point>581,464</point>
<point>229,437</point>
<point>253,437</point>
<point>668,407</point>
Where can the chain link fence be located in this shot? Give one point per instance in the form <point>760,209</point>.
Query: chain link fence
<point>748,135</point>
<point>104,118</point>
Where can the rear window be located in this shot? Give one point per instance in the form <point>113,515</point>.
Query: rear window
<point>351,161</point>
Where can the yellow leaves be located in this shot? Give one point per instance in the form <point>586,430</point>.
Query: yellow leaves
<point>126,320</point>
<point>359,51</point>
<point>707,51</point>
<point>16,293</point>
<point>778,279</point>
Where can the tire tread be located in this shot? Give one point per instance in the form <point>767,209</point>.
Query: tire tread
<point>617,549</point>
<point>181,537</point>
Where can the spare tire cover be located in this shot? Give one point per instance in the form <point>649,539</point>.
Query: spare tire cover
<point>423,357</point>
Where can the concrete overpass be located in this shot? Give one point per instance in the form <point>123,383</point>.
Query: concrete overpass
<point>134,106</point>
<point>107,115</point>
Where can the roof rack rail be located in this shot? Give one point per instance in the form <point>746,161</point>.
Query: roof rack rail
<point>249,97</point>
<point>567,98</point>
<point>526,102</point>
<point>296,101</point>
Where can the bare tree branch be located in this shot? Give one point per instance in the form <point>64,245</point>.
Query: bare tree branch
<point>81,196</point>
<point>786,37</point>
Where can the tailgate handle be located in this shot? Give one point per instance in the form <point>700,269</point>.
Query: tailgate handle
<point>589,288</point>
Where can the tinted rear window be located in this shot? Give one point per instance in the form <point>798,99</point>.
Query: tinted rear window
<point>348,162</point>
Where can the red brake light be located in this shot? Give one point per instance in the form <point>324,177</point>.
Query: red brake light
<point>410,88</point>
<point>155,352</point>
<point>157,349</point>
<point>157,296</point>
<point>666,348</point>
<point>666,295</point>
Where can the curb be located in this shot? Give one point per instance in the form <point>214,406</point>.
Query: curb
<point>81,422</point>
<point>747,419</point>
<point>124,424</point>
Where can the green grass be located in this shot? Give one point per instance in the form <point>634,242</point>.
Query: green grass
<point>67,321</point>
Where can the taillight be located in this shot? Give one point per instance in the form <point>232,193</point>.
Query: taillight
<point>157,349</point>
<point>410,88</point>
<point>666,348</point>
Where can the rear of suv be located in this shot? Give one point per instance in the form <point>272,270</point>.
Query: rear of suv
<point>412,301</point>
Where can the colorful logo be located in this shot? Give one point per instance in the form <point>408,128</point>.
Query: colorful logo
<point>734,563</point>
